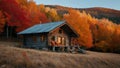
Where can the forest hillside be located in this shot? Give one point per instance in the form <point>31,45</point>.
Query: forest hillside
<point>97,12</point>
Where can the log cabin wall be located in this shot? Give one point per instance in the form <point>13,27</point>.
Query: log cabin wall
<point>37,41</point>
<point>59,36</point>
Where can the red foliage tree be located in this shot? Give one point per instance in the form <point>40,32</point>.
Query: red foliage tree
<point>18,17</point>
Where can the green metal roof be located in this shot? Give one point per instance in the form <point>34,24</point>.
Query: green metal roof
<point>41,28</point>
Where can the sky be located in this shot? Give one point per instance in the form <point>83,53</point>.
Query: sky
<point>114,4</point>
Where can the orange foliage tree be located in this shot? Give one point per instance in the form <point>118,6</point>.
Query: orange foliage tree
<point>115,43</point>
<point>80,23</point>
<point>106,35</point>
<point>34,12</point>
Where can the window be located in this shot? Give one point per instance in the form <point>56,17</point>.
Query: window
<point>61,40</point>
<point>60,31</point>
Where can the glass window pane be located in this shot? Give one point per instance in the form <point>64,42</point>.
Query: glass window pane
<point>59,40</point>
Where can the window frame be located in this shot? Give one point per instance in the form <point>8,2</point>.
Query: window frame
<point>61,40</point>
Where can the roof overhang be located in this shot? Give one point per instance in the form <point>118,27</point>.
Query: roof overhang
<point>49,27</point>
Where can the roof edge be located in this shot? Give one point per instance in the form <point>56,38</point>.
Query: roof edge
<point>20,33</point>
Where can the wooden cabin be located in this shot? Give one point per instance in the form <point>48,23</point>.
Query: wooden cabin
<point>41,35</point>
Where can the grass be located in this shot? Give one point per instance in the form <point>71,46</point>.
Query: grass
<point>13,57</point>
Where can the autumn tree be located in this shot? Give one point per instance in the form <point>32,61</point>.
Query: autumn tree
<point>80,23</point>
<point>35,14</point>
<point>18,17</point>
<point>41,7</point>
<point>104,30</point>
<point>52,14</point>
<point>115,43</point>
<point>22,13</point>
<point>105,35</point>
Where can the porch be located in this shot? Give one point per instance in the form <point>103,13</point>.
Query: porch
<point>70,49</point>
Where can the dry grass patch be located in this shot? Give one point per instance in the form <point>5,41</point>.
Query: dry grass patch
<point>12,57</point>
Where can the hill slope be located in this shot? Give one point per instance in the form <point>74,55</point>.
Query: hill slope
<point>12,57</point>
<point>98,12</point>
